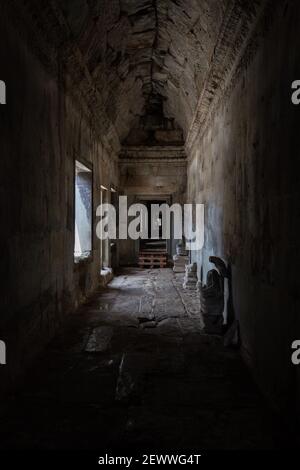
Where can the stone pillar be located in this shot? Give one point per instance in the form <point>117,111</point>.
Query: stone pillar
<point>180,259</point>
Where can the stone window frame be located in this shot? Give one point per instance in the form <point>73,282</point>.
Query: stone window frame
<point>89,166</point>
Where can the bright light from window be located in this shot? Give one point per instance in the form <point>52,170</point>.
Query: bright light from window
<point>83,211</point>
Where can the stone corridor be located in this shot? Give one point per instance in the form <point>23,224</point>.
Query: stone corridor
<point>133,368</point>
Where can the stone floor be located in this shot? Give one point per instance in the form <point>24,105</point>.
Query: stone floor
<point>133,369</point>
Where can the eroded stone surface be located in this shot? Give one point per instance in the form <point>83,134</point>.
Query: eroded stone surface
<point>131,57</point>
<point>99,339</point>
<point>165,386</point>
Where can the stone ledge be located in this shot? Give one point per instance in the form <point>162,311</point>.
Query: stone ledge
<point>106,275</point>
<point>152,154</point>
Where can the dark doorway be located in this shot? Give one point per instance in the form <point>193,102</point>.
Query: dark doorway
<point>150,244</point>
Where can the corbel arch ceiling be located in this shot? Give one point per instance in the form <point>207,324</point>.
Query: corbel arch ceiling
<point>146,53</point>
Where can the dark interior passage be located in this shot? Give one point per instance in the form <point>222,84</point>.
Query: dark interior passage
<point>182,101</point>
<point>157,243</point>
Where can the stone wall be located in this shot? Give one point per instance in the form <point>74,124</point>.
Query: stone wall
<point>42,132</point>
<point>244,167</point>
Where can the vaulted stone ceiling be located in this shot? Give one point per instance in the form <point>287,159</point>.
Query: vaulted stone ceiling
<point>126,61</point>
<point>146,55</point>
